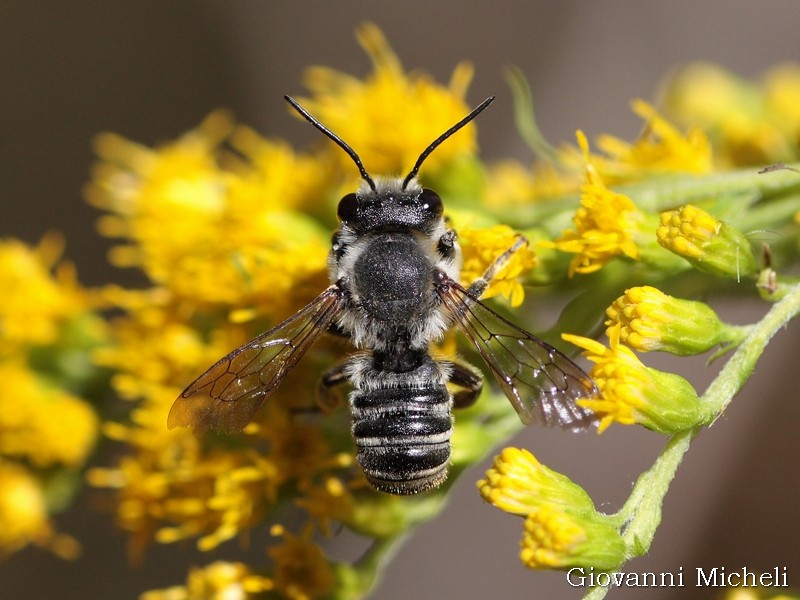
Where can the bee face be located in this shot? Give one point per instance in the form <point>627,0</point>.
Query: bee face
<point>391,207</point>
<point>394,290</point>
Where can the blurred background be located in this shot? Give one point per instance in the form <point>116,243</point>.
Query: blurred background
<point>150,70</point>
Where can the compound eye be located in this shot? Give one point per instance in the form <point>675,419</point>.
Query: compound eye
<point>431,201</point>
<point>348,208</point>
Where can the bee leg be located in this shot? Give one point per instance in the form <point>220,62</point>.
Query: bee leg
<point>464,376</point>
<point>478,287</point>
<point>446,246</point>
<point>327,398</point>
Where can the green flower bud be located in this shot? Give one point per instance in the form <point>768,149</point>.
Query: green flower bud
<point>632,393</point>
<point>518,483</point>
<point>649,320</point>
<point>710,245</point>
<point>556,538</point>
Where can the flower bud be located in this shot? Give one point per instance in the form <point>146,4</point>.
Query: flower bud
<point>650,320</point>
<point>633,393</point>
<point>710,245</point>
<point>518,483</point>
<point>555,538</point>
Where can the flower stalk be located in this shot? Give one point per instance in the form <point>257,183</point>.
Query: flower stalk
<point>640,516</point>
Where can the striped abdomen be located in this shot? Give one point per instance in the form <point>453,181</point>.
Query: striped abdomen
<point>402,435</point>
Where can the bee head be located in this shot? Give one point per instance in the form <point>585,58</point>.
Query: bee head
<point>391,207</point>
<point>390,204</point>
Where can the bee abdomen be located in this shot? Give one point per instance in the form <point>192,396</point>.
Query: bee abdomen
<point>402,437</point>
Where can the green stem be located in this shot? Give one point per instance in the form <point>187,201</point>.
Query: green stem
<point>660,194</point>
<point>370,567</point>
<point>641,513</point>
<point>525,119</point>
<point>766,214</point>
<point>738,369</point>
<point>668,192</point>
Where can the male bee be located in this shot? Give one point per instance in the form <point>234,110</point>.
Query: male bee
<point>394,269</point>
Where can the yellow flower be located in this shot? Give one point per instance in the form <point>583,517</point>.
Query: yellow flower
<point>549,537</point>
<point>606,225</point>
<point>481,247</point>
<point>710,245</point>
<point>782,91</point>
<point>301,570</point>
<point>749,123</point>
<point>43,423</point>
<point>660,149</point>
<point>169,487</point>
<point>331,501</point>
<point>23,514</point>
<point>517,483</point>
<point>206,232</point>
<point>240,249</point>
<point>156,345</point>
<point>299,451</point>
<point>220,238</point>
<point>173,489</point>
<point>510,183</point>
<point>648,320</point>
<point>555,538</point>
<point>217,581</point>
<point>633,393</point>
<point>47,329</point>
<point>734,593</point>
<point>275,177</point>
<point>687,230</point>
<point>36,303</point>
<point>240,498</point>
<point>391,117</point>
<point>562,527</point>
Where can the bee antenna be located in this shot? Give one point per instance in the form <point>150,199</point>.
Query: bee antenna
<point>435,143</point>
<point>339,141</point>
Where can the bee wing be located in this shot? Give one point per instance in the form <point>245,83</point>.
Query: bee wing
<point>227,396</point>
<point>541,383</point>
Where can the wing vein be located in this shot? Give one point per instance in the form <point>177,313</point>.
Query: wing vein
<point>540,382</point>
<point>229,393</point>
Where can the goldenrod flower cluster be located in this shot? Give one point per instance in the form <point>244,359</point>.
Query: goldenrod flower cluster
<point>230,232</point>
<point>636,200</point>
<point>480,247</point>
<point>749,122</point>
<point>47,428</point>
<point>407,109</point>
<point>562,527</point>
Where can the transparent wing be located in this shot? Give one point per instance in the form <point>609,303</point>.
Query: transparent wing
<point>227,396</point>
<point>541,383</point>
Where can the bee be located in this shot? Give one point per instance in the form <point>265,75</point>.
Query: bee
<point>394,290</point>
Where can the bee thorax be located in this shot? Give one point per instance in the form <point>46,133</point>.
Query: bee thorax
<point>392,278</point>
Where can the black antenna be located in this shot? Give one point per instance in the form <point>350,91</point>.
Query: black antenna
<point>339,141</point>
<point>443,137</point>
